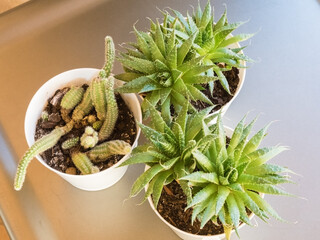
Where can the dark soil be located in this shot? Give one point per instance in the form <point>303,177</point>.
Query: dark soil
<point>59,159</point>
<point>172,208</point>
<point>220,97</point>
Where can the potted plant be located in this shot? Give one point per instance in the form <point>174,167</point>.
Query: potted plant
<point>83,130</point>
<point>198,180</point>
<point>182,58</point>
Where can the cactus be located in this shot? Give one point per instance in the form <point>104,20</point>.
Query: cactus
<point>84,107</point>
<point>69,101</point>
<point>109,56</point>
<point>83,163</point>
<point>112,111</point>
<point>97,125</point>
<point>90,138</point>
<point>70,143</point>
<point>105,150</point>
<point>71,170</point>
<point>98,96</point>
<point>41,145</point>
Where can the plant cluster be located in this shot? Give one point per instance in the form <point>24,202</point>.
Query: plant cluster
<point>76,106</point>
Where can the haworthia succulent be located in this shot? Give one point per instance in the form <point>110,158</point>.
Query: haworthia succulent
<point>41,145</point>
<point>102,151</point>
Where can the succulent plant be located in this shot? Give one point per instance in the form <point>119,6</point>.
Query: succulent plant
<point>170,149</point>
<point>230,178</point>
<point>164,68</point>
<point>213,40</point>
<point>80,102</point>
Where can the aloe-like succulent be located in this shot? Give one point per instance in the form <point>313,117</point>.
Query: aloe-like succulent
<point>213,40</point>
<point>164,68</point>
<point>80,102</point>
<point>231,177</point>
<point>169,153</point>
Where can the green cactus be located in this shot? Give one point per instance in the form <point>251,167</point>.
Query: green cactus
<point>69,101</point>
<point>84,107</point>
<point>98,97</point>
<point>83,163</point>
<point>70,143</point>
<point>109,56</point>
<point>41,145</point>
<point>89,138</point>
<point>106,149</point>
<point>112,111</point>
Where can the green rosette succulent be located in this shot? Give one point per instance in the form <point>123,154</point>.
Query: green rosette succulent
<point>169,152</point>
<point>164,68</point>
<point>231,177</point>
<point>213,40</point>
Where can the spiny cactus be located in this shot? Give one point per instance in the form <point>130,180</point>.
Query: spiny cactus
<point>41,145</point>
<point>84,107</point>
<point>97,125</point>
<point>109,56</point>
<point>112,110</point>
<point>89,138</point>
<point>70,143</point>
<point>69,101</point>
<point>83,163</point>
<point>102,151</point>
<point>98,96</point>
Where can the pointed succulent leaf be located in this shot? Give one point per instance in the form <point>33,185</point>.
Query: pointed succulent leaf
<point>185,48</point>
<point>158,186</point>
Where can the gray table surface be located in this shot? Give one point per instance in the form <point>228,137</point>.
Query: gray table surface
<point>43,38</point>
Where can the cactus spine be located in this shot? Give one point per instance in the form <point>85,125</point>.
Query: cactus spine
<point>41,145</point>
<point>102,151</point>
<point>84,107</point>
<point>83,163</point>
<point>112,111</point>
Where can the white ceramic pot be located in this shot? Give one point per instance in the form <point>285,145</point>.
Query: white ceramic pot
<point>91,182</point>
<point>189,236</point>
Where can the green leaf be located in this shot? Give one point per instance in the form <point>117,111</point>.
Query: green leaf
<point>199,208</point>
<point>233,210</point>
<point>159,39</point>
<point>203,161</point>
<point>168,164</point>
<point>222,79</point>
<point>203,194</point>
<point>144,178</point>
<point>172,58</point>
<point>200,79</point>
<point>264,205</point>
<point>242,210</point>
<point>198,95</point>
<point>236,136</point>
<point>206,16</point>
<point>151,133</point>
<point>138,64</point>
<point>255,141</point>
<point>127,77</point>
<point>224,31</point>
<point>266,188</point>
<point>209,212</point>
<point>192,24</point>
<point>182,20</point>
<point>135,85</point>
<point>185,48</point>
<point>165,111</point>
<point>189,64</point>
<point>140,158</point>
<point>142,44</point>
<point>249,203</point>
<point>235,39</point>
<point>223,193</point>
<point>158,186</point>
<point>202,177</point>
<point>154,49</point>
<point>221,22</point>
<point>196,70</point>
<point>267,169</point>
<point>156,118</point>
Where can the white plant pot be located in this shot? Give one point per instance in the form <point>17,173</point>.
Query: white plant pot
<point>91,182</point>
<point>189,236</point>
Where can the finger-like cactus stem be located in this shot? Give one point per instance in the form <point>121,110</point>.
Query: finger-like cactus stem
<point>98,96</point>
<point>84,107</point>
<point>41,145</point>
<point>69,101</point>
<point>109,55</point>
<point>83,163</point>
<point>103,151</point>
<point>70,143</point>
<point>97,125</point>
<point>112,111</point>
<point>90,138</point>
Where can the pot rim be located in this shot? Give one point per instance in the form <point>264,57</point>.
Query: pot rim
<point>32,140</point>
